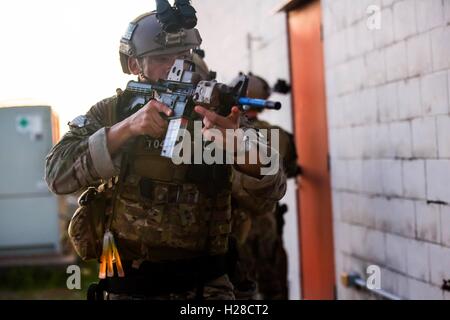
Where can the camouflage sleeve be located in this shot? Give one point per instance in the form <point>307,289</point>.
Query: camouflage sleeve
<point>271,187</point>
<point>260,195</point>
<point>273,184</point>
<point>81,158</point>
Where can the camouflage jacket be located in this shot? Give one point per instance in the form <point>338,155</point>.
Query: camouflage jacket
<point>82,159</point>
<point>245,202</point>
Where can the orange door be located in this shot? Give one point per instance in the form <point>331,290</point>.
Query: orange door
<point>310,122</point>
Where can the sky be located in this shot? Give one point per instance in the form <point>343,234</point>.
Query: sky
<point>63,53</point>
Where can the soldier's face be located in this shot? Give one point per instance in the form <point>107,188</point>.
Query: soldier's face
<point>158,67</point>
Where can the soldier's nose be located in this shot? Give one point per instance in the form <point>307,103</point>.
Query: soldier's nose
<point>167,72</point>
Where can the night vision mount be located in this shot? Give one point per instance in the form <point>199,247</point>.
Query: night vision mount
<point>180,16</point>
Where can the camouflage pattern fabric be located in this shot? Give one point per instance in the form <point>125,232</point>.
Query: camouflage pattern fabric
<point>172,230</point>
<point>263,259</point>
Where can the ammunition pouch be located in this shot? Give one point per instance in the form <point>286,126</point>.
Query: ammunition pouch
<point>86,228</point>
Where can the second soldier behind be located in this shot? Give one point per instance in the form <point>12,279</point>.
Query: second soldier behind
<point>261,271</point>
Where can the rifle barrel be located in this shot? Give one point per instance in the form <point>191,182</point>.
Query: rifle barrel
<point>260,103</point>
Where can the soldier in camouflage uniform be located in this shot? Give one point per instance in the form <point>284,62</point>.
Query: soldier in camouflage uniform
<point>262,266</point>
<point>171,223</point>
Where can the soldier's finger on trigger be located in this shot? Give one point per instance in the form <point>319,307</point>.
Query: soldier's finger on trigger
<point>161,107</point>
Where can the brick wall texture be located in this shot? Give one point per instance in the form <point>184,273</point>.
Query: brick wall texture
<point>389,130</point>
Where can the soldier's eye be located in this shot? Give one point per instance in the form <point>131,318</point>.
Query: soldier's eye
<point>163,59</point>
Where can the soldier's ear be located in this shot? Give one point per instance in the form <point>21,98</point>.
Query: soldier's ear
<point>133,66</point>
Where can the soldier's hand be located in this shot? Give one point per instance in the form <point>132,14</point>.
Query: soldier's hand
<point>213,122</point>
<point>148,121</point>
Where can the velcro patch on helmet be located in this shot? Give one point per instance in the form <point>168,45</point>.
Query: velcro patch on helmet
<point>130,30</point>
<point>170,39</point>
<point>125,48</point>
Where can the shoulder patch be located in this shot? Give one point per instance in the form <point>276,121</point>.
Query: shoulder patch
<point>79,122</point>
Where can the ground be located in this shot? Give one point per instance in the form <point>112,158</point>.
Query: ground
<point>44,282</point>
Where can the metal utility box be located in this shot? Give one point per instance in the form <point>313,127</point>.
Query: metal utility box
<point>29,222</point>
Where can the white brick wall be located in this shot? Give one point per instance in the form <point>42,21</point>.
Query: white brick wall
<point>424,137</point>
<point>419,290</point>
<point>379,145</point>
<point>387,2</point>
<point>367,243</point>
<point>447,11</point>
<point>349,207</point>
<point>396,190</point>
<point>396,62</point>
<point>434,93</point>
<point>385,37</point>
<point>400,218</point>
<point>419,55</point>
<point>417,259</point>
<point>337,39</point>
<point>372,181</point>
<point>391,173</point>
<point>443,135</point>
<point>439,262</point>
<point>438,177</point>
<point>404,19</point>
<point>414,185</point>
<point>376,68</point>
<point>396,253</point>
<point>409,105</point>
<point>355,178</point>
<point>387,102</point>
<point>394,282</point>
<point>440,48</point>
<point>428,222</point>
<point>445,222</point>
<point>429,14</point>
<point>339,174</point>
<point>401,139</point>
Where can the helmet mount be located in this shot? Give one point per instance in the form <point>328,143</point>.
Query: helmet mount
<point>145,36</point>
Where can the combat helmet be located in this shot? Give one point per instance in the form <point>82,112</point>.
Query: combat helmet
<point>146,37</point>
<point>258,88</point>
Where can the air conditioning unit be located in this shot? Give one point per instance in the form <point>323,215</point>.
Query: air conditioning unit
<point>29,222</point>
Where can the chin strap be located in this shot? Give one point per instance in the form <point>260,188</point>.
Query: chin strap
<point>142,76</point>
